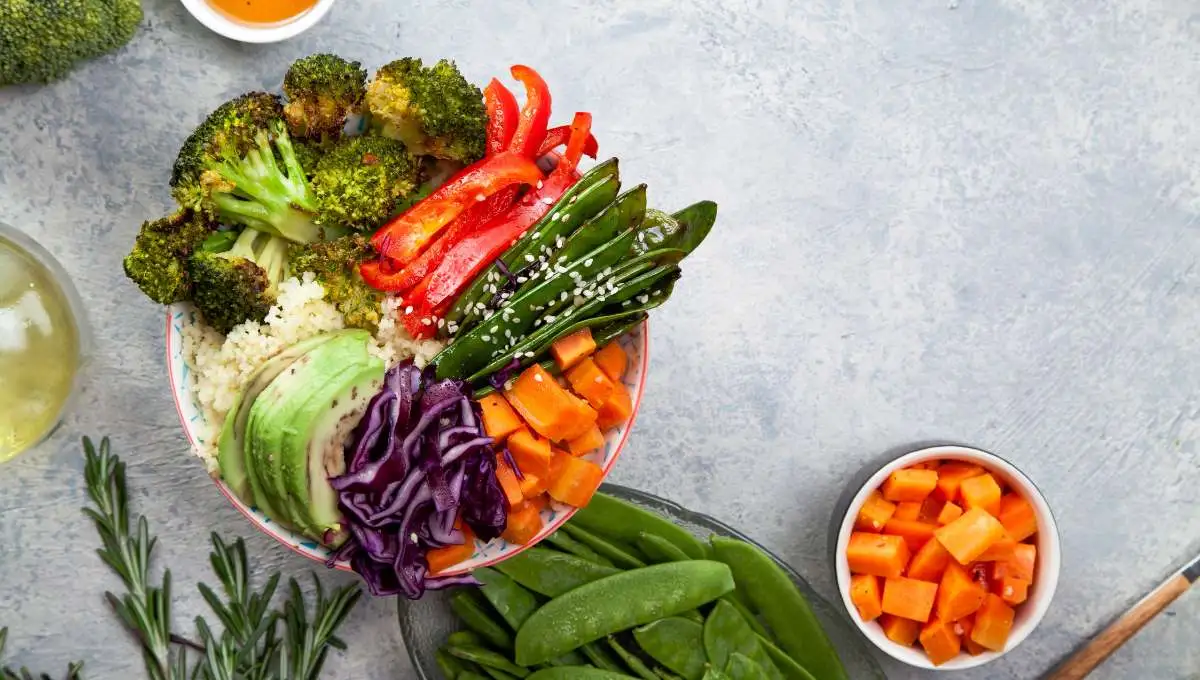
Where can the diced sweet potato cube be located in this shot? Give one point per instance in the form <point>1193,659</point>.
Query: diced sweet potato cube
<point>591,383</point>
<point>1014,591</point>
<point>929,562</point>
<point>575,482</point>
<point>1023,564</point>
<point>866,596</point>
<point>441,559</point>
<point>963,628</point>
<point>931,507</point>
<point>550,410</point>
<point>915,533</point>
<point>909,485</point>
<point>981,492</point>
<point>1017,516</point>
<point>907,510</point>
<point>993,623</point>
<point>1001,550</point>
<point>499,419</point>
<point>967,537</point>
<point>949,513</point>
<point>587,442</point>
<point>524,523</point>
<point>940,641</point>
<point>909,598</point>
<point>534,485</point>
<point>875,513</point>
<point>612,360</point>
<point>531,452</point>
<point>951,474</point>
<point>900,630</point>
<point>958,594</point>
<point>509,484</point>
<point>877,554</point>
<point>616,410</point>
<point>571,349</point>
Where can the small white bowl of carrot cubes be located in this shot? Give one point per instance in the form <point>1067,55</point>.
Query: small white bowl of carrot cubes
<point>947,557</point>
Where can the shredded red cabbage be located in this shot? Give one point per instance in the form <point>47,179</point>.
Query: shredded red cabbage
<point>419,461</point>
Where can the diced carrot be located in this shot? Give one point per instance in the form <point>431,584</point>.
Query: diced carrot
<point>1014,591</point>
<point>875,513</point>
<point>575,482</point>
<point>981,492</point>
<point>926,465</point>
<point>612,360</point>
<point>877,554</point>
<point>967,537</point>
<point>951,474</point>
<point>587,442</point>
<point>616,410</point>
<point>900,630</point>
<point>499,419</point>
<point>931,507</point>
<point>531,452</point>
<point>1017,516</point>
<point>509,483</point>
<point>441,559</point>
<point>524,523</point>
<point>929,562</point>
<point>591,383</point>
<point>571,349</point>
<point>864,593</point>
<point>535,485</point>
<point>1023,564</point>
<point>1000,551</point>
<point>958,594</point>
<point>949,513</point>
<point>907,510</point>
<point>993,622</point>
<point>909,598</point>
<point>940,641</point>
<point>915,533</point>
<point>909,485</point>
<point>549,409</point>
<point>963,627</point>
<point>584,419</point>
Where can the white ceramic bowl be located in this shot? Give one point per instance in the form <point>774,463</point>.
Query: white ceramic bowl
<point>636,344</point>
<point>241,31</point>
<point>1049,548</point>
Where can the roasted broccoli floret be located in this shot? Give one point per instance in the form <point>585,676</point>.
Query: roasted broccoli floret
<point>434,110</point>
<point>230,130</point>
<point>42,40</point>
<point>158,261</point>
<point>322,91</point>
<point>240,284</point>
<point>335,264</point>
<point>360,179</point>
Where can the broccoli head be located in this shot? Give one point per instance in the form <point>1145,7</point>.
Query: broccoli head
<point>42,40</point>
<point>322,91</point>
<point>360,179</point>
<point>240,284</point>
<point>433,110</point>
<point>158,261</point>
<point>335,264</point>
<point>231,130</point>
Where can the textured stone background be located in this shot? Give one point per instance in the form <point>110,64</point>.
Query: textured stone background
<point>973,222</point>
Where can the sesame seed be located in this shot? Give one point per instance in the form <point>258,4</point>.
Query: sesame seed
<point>539,184</point>
<point>555,218</point>
<point>408,309</point>
<point>495,328</point>
<point>549,319</point>
<point>528,257</point>
<point>441,323</point>
<point>574,198</point>
<point>537,377</point>
<point>643,299</point>
<point>522,279</point>
<point>565,216</point>
<point>550,201</point>
<point>480,197</point>
<point>587,262</point>
<point>426,322</point>
<point>486,338</point>
<point>599,379</point>
<point>536,234</point>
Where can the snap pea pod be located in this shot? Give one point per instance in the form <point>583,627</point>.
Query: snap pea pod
<point>685,229</point>
<point>712,673</point>
<point>790,668</point>
<point>747,615</point>
<point>693,615</point>
<point>507,597</point>
<point>601,658</point>
<point>563,541</point>
<point>619,556</point>
<point>783,607</point>
<point>474,615</point>
<point>727,633</point>
<point>571,658</point>
<point>450,666</point>
<point>619,602</point>
<point>486,658</point>
<point>551,573</point>
<point>632,661</point>
<point>465,637</point>
<point>482,344</point>
<point>471,675</point>
<point>665,674</point>
<point>595,190</point>
<point>627,212</point>
<point>675,643</point>
<point>617,520</point>
<point>497,674</point>
<point>742,667</point>
<point>659,549</point>
<point>577,673</point>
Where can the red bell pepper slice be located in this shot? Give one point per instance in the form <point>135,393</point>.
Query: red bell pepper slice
<point>404,237</point>
<point>535,115</point>
<point>502,116</point>
<point>556,137</point>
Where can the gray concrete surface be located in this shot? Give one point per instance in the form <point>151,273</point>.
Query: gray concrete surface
<point>973,220</point>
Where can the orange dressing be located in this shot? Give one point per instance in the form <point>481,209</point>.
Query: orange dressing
<point>262,11</point>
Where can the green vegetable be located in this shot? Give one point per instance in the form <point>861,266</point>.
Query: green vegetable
<point>471,675</point>
<point>631,660</point>
<point>742,667</point>
<point>577,673</point>
<point>695,221</point>
<point>601,658</point>
<point>563,541</point>
<point>712,673</point>
<point>618,520</point>
<point>618,602</point>
<point>782,606</point>
<point>626,212</point>
<point>434,110</point>
<point>322,91</point>
<point>240,284</point>
<point>552,573</point>
<point>486,658</point>
<point>786,664</point>
<point>509,599</point>
<point>676,643</point>
<point>158,263</point>
<point>659,549</point>
<point>497,674</point>
<point>747,615</point>
<point>474,613</point>
<point>465,637</point>
<point>726,633</point>
<point>359,180</point>
<point>43,40</point>
<point>616,554</point>
<point>335,265</point>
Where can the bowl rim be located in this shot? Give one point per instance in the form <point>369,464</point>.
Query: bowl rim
<point>232,29</point>
<point>1049,553</point>
<point>560,519</point>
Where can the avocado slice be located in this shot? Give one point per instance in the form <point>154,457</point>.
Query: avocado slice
<point>274,415</point>
<point>231,458</point>
<point>312,447</point>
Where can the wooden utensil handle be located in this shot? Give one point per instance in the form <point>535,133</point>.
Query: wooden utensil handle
<point>1100,647</point>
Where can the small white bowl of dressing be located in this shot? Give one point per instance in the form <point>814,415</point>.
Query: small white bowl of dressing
<point>258,21</point>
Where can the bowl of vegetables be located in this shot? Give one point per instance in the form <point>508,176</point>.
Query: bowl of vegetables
<point>739,601</point>
<point>406,320</point>
<point>946,557</point>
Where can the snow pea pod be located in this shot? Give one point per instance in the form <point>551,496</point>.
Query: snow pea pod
<point>474,615</point>
<point>577,673</point>
<point>742,667</point>
<point>449,665</point>
<point>695,222</point>
<point>508,598</point>
<point>564,542</point>
<point>619,602</point>
<point>675,643</point>
<point>659,549</point>
<point>465,637</point>
<point>571,658</point>
<point>712,673</point>
<point>783,607</point>
<point>497,674</point>
<point>471,675</point>
<point>627,212</point>
<point>486,658</point>
<point>551,573</point>
<point>617,520</point>
<point>727,633</point>
<point>601,658</point>
<point>632,661</point>
<point>747,615</point>
<point>790,668</point>
<point>619,556</point>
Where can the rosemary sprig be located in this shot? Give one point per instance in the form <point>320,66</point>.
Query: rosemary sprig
<point>6,673</point>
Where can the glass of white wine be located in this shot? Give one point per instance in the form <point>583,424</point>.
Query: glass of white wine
<point>44,342</point>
